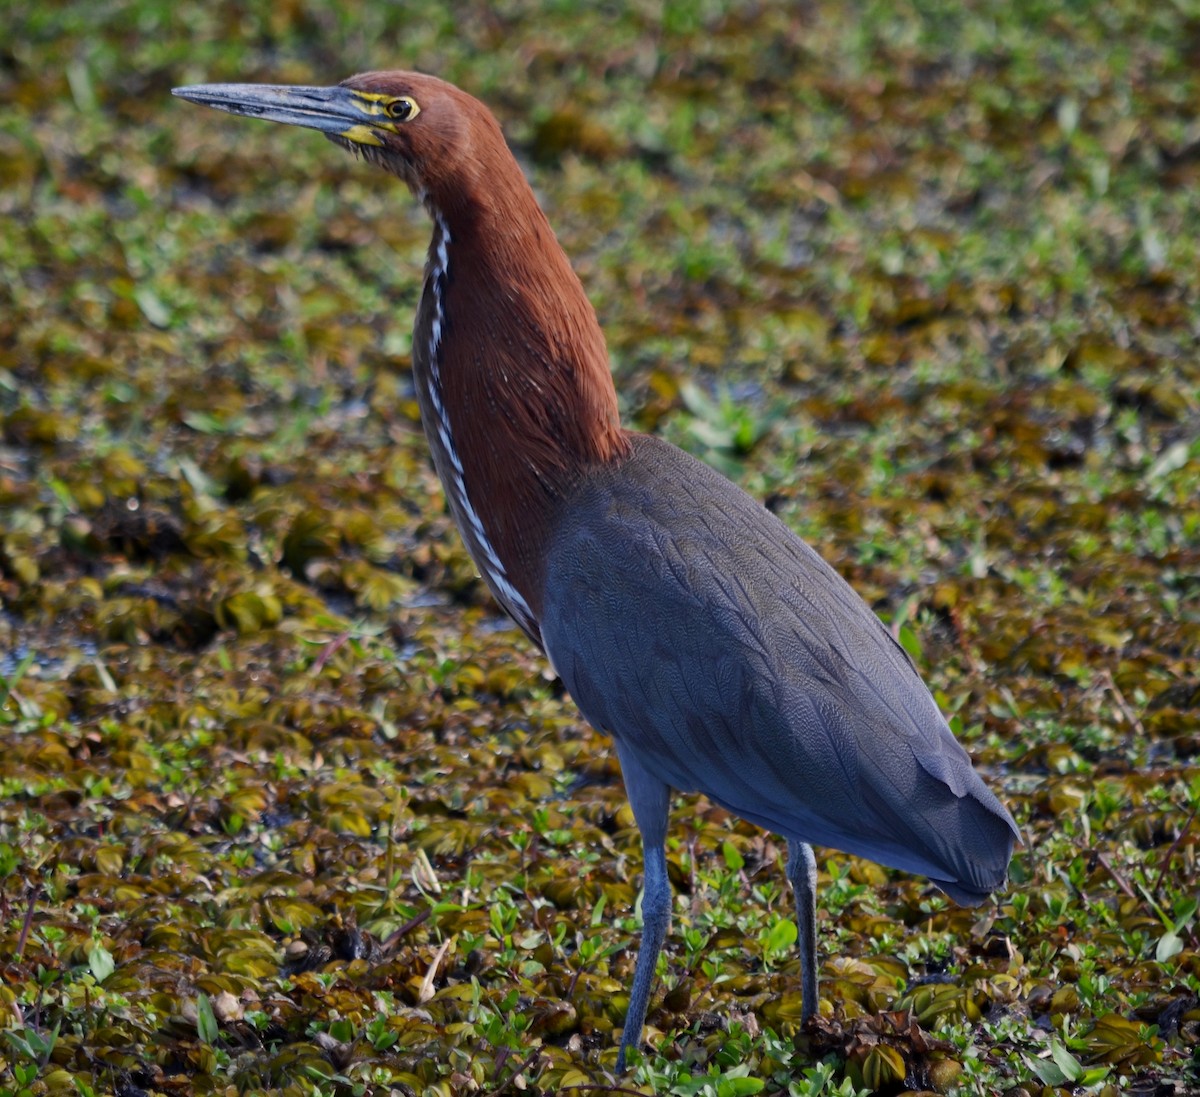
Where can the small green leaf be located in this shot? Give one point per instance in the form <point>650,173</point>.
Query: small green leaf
<point>739,1087</point>
<point>152,307</point>
<point>734,861</point>
<point>204,422</point>
<point>20,1044</point>
<point>910,643</point>
<point>1070,1066</point>
<point>101,962</point>
<point>1067,115</point>
<point>1048,1073</point>
<point>10,859</point>
<point>7,685</point>
<point>782,935</point>
<point>206,1020</point>
<point>1170,944</point>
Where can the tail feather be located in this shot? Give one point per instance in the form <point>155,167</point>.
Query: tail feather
<point>962,841</point>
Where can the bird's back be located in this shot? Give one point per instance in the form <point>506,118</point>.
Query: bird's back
<point>691,624</point>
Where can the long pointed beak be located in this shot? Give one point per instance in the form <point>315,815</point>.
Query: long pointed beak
<point>334,111</point>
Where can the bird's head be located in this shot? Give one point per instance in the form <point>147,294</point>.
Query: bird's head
<point>420,128</point>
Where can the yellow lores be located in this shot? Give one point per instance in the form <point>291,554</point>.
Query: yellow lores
<point>361,134</point>
<point>401,108</point>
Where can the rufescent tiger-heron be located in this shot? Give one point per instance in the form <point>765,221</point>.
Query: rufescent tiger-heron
<point>719,651</point>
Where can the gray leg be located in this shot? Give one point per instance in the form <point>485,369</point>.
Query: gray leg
<point>802,871</point>
<point>650,800</point>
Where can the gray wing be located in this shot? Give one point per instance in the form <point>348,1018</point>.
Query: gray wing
<point>688,622</point>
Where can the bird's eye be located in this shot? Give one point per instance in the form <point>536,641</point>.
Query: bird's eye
<point>401,109</point>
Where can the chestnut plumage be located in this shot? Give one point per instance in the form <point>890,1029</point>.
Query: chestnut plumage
<point>720,652</point>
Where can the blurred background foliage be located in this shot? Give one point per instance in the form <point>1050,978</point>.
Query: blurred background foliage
<point>285,806</point>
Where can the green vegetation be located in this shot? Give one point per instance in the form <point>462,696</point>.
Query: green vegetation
<point>284,806</point>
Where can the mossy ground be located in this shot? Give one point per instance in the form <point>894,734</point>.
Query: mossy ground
<point>286,806</point>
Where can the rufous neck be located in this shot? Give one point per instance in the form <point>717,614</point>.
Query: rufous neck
<point>531,316</point>
<point>513,377</point>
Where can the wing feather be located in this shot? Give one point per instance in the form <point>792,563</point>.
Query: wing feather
<point>691,624</point>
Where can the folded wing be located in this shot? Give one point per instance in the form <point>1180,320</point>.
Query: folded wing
<point>749,670</point>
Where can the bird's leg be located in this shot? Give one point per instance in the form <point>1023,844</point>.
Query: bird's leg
<point>650,799</point>
<point>802,872</point>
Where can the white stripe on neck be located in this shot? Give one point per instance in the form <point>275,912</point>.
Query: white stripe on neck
<point>473,532</point>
